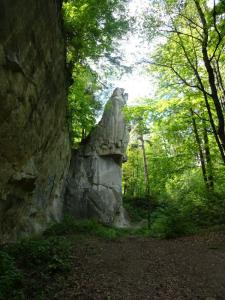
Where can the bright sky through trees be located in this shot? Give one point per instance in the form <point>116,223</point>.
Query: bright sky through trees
<point>137,84</point>
<point>211,3</point>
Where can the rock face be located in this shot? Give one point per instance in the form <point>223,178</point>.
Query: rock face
<point>34,144</point>
<point>94,183</point>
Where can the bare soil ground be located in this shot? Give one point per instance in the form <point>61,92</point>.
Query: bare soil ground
<point>145,268</point>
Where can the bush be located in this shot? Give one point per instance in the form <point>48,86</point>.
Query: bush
<point>10,277</point>
<point>47,255</point>
<point>28,265</point>
<point>187,212</point>
<point>138,207</point>
<point>170,222</point>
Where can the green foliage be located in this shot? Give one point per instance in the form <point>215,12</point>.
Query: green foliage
<point>91,29</point>
<point>71,226</point>
<point>91,26</point>
<point>187,215</point>
<point>48,255</point>
<point>136,208</point>
<point>10,276</point>
<point>182,204</point>
<point>170,222</point>
<point>83,106</point>
<point>193,39</point>
<point>183,209</point>
<point>28,265</point>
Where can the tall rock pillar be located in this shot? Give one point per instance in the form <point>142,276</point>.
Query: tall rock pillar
<point>94,187</point>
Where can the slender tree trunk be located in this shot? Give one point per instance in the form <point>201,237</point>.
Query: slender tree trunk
<point>220,83</point>
<point>211,120</point>
<point>83,134</point>
<point>208,157</point>
<point>125,190</point>
<point>133,185</point>
<point>215,98</point>
<point>201,155</point>
<point>137,185</point>
<point>214,128</point>
<point>146,177</point>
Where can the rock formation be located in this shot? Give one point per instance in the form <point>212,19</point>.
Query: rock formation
<point>34,144</point>
<point>94,183</point>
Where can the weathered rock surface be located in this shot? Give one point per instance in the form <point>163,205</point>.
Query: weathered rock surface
<point>34,144</point>
<point>94,183</point>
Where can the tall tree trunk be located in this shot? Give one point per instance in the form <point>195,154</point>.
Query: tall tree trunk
<point>146,177</point>
<point>201,155</point>
<point>83,134</point>
<point>137,185</point>
<point>208,157</point>
<point>211,76</point>
<point>220,83</point>
<point>214,128</point>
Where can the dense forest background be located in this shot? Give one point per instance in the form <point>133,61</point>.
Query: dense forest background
<point>175,170</point>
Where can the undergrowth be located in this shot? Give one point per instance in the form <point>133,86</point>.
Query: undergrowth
<point>27,267</point>
<point>183,214</point>
<point>90,227</point>
<point>36,268</point>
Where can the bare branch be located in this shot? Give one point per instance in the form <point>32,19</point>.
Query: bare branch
<point>200,117</point>
<point>182,33</point>
<point>191,21</point>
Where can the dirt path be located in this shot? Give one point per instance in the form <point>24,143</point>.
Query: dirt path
<point>145,268</point>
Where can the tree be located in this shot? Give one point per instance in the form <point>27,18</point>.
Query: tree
<point>83,107</point>
<point>91,30</point>
<point>91,27</point>
<point>192,56</point>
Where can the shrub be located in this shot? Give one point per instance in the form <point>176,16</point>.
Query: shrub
<point>27,266</point>
<point>48,255</point>
<point>10,277</point>
<point>137,207</point>
<point>170,222</point>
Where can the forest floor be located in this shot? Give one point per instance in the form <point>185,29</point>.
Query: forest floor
<point>146,268</point>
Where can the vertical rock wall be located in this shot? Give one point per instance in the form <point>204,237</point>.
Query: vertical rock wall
<point>34,144</point>
<point>95,183</point>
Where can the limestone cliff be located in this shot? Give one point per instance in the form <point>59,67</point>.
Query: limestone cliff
<point>94,184</point>
<point>34,144</point>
